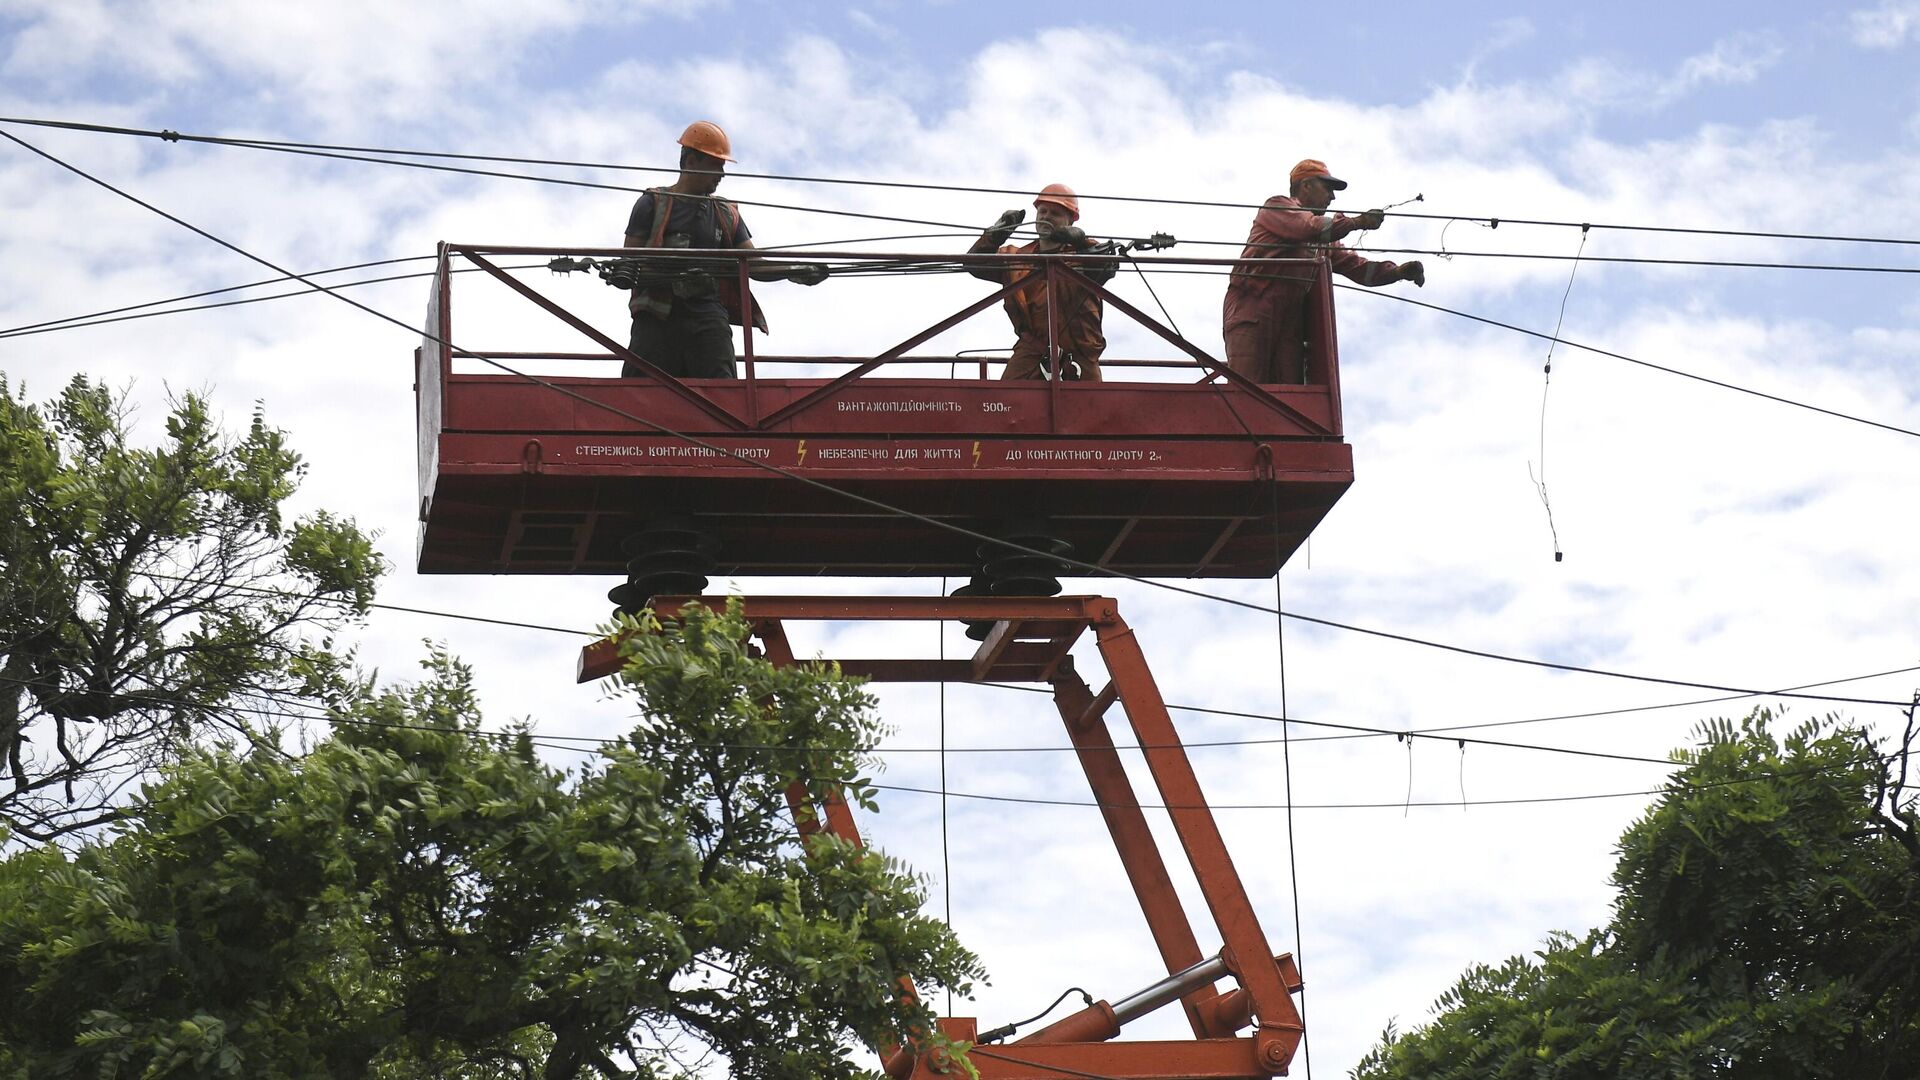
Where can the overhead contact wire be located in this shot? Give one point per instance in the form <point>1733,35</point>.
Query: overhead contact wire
<point>1635,360</point>
<point>292,145</point>
<point>1353,731</point>
<point>1099,571</point>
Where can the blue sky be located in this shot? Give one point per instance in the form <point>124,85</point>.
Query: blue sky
<point>1710,536</point>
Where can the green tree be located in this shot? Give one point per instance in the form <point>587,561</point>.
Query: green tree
<point>1767,924</point>
<point>148,596</point>
<point>413,898</point>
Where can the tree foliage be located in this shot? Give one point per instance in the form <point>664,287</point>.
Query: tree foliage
<point>1767,924</point>
<point>413,898</point>
<point>147,595</point>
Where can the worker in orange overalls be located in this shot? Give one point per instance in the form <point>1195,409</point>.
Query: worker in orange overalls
<point>682,314</point>
<point>1265,316</point>
<point>1077,311</point>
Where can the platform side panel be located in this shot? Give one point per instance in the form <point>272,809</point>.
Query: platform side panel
<point>555,407</point>
<point>1096,462</point>
<point>432,363</point>
<point>583,406</point>
<point>557,521</point>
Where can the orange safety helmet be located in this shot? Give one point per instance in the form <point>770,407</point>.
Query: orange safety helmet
<point>1310,168</point>
<point>706,137</point>
<point>1060,195</point>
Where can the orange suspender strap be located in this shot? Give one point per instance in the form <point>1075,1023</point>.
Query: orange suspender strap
<point>723,213</point>
<point>662,210</point>
<point>728,213</point>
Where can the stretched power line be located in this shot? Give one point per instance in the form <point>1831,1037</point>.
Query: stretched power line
<point>1836,414</point>
<point>600,749</point>
<point>1356,732</point>
<point>596,746</point>
<point>1446,730</point>
<point>818,485</point>
<point>14,331</point>
<point>801,245</point>
<point>96,318</point>
<point>1625,260</point>
<point>290,594</point>
<point>332,715</point>
<point>73,322</point>
<point>1031,800</point>
<point>1445,733</point>
<point>81,322</point>
<point>291,145</point>
<point>1639,260</point>
<point>1552,258</point>
<point>1034,800</point>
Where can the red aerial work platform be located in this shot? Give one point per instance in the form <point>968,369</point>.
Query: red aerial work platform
<point>1030,641</point>
<point>1208,476</point>
<point>858,474</point>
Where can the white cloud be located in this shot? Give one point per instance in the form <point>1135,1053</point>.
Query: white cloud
<point>1604,84</point>
<point>1888,26</point>
<point>1708,534</point>
<point>340,62</point>
<point>1734,60</point>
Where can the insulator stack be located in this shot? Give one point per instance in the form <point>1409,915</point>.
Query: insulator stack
<point>978,585</point>
<point>1008,571</point>
<point>669,557</point>
<point>1032,572</point>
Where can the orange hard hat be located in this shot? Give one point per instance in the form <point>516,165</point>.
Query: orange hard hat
<point>706,137</point>
<point>1310,167</point>
<point>1059,195</point>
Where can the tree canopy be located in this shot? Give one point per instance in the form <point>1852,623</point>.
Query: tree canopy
<point>417,897</point>
<point>150,595</point>
<point>1767,924</point>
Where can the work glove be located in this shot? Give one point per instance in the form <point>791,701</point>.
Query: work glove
<point>1072,236</point>
<point>1000,230</point>
<point>1414,272</point>
<point>1372,219</point>
<point>808,273</point>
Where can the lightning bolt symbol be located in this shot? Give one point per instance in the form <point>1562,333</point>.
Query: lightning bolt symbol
<point>803,453</point>
<point>976,453</point>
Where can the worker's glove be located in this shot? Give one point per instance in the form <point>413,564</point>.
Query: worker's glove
<point>1000,230</point>
<point>808,273</point>
<point>1372,219</point>
<point>1071,236</point>
<point>1414,272</point>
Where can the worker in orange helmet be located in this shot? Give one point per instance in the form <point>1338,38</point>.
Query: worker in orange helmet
<point>683,316</point>
<point>1265,316</point>
<point>1077,312</point>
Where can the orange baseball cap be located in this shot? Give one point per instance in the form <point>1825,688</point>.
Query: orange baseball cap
<point>1310,167</point>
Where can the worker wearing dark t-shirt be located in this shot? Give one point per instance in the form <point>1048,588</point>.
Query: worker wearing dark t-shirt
<point>683,325</point>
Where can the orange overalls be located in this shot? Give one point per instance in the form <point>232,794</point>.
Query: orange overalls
<point>1077,316</point>
<point>1264,317</point>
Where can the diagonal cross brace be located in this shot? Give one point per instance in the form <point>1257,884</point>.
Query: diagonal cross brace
<point>816,397</point>
<point>1252,389</point>
<point>689,394</point>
